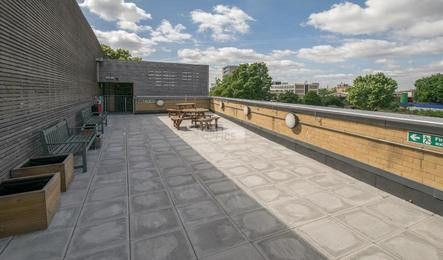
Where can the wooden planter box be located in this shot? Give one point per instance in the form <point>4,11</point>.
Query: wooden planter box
<point>64,164</point>
<point>28,204</point>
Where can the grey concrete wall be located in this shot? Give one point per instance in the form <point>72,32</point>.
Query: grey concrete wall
<point>158,78</point>
<point>47,72</point>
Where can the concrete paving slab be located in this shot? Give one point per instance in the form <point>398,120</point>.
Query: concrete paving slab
<point>103,211</point>
<point>237,202</point>
<point>210,175</point>
<point>409,246</point>
<point>368,224</point>
<point>149,201</point>
<point>189,194</point>
<point>295,212</point>
<point>224,186</point>
<point>301,187</point>
<point>94,238</point>
<point>244,252</point>
<point>143,174</point>
<point>357,195</point>
<point>147,185</point>
<point>333,237</point>
<point>113,253</point>
<point>68,199</point>
<point>4,242</point>
<point>253,180</point>
<point>288,246</point>
<point>199,212</point>
<point>176,171</point>
<point>328,181</point>
<point>147,224</point>
<point>259,165</point>
<point>280,175</point>
<point>107,192</point>
<point>214,236</point>
<point>38,245</point>
<point>370,253</point>
<point>65,218</point>
<point>329,202</point>
<point>398,211</point>
<point>181,180</point>
<point>237,170</point>
<point>172,245</point>
<point>118,178</point>
<point>431,229</point>
<point>271,193</point>
<point>258,223</point>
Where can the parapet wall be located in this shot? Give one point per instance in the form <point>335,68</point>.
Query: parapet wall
<point>376,141</point>
<point>149,104</point>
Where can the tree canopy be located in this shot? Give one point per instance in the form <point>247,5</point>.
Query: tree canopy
<point>118,54</point>
<point>372,91</point>
<point>429,89</point>
<point>312,98</point>
<point>287,97</point>
<point>248,81</point>
<point>328,98</point>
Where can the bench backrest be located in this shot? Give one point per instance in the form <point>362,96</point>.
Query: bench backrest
<point>86,113</point>
<point>57,133</point>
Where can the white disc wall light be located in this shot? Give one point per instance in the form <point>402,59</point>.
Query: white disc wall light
<point>160,103</point>
<point>291,120</point>
<point>246,110</point>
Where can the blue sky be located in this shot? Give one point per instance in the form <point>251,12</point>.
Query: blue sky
<point>320,41</point>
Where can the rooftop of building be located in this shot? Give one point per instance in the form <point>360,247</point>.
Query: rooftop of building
<point>154,191</point>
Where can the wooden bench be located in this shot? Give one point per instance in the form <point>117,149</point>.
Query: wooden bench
<point>97,119</point>
<point>206,122</point>
<point>60,139</point>
<point>173,112</point>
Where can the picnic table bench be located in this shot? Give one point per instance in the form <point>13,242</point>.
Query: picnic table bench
<point>92,118</point>
<point>60,139</point>
<point>206,122</point>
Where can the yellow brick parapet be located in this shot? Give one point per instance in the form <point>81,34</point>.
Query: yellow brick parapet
<point>376,139</point>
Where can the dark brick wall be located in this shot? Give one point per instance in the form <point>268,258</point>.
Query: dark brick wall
<point>47,71</point>
<point>158,78</point>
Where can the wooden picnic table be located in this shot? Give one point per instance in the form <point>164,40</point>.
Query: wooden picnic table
<point>181,106</point>
<point>189,114</point>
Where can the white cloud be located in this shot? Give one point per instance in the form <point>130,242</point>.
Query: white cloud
<point>407,76</point>
<point>143,46</point>
<point>168,33</point>
<point>334,76</point>
<point>403,17</point>
<point>225,22</point>
<point>279,68</point>
<point>369,48</point>
<point>138,46</point>
<point>126,14</point>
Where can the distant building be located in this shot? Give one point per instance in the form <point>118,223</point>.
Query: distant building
<point>300,89</point>
<point>408,95</point>
<point>341,90</point>
<point>228,70</point>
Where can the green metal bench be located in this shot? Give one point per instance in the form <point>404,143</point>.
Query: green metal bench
<point>91,118</point>
<point>60,139</point>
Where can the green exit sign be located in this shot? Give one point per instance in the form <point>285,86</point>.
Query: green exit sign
<point>434,140</point>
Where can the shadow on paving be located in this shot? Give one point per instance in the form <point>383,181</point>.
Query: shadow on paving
<point>180,205</point>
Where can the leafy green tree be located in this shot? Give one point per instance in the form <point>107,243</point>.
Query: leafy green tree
<point>248,81</point>
<point>312,98</point>
<point>372,92</point>
<point>287,97</point>
<point>429,89</point>
<point>328,98</point>
<point>118,54</point>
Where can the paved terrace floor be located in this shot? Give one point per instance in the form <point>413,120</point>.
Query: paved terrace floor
<point>153,192</point>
